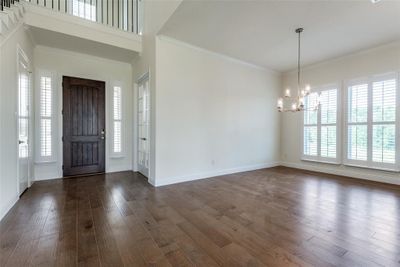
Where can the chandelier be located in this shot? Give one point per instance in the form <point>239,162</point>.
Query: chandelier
<point>297,102</point>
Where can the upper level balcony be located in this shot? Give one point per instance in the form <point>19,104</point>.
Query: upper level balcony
<point>101,24</point>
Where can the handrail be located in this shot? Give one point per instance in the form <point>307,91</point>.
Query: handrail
<point>125,15</point>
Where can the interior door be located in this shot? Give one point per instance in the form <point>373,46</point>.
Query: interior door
<point>23,126</point>
<point>143,125</point>
<point>83,126</point>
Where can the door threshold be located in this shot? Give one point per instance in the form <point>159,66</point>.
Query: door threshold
<point>83,175</point>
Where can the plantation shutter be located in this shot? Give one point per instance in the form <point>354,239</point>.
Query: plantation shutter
<point>384,121</point>
<point>328,103</point>
<point>45,117</point>
<point>357,134</point>
<point>117,117</point>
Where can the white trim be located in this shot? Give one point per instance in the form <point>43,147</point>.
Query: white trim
<point>343,170</point>
<point>211,174</point>
<point>143,77</point>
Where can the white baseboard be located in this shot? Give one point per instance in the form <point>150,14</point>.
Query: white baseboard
<point>204,175</point>
<point>7,207</point>
<point>124,168</point>
<point>352,172</point>
<point>45,178</point>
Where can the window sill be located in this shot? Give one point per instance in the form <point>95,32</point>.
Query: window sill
<point>355,165</point>
<point>321,161</point>
<point>371,167</point>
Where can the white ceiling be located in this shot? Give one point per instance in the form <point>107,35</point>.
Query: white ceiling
<point>262,32</point>
<point>79,45</point>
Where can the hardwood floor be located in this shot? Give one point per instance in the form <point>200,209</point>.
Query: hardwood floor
<point>271,217</point>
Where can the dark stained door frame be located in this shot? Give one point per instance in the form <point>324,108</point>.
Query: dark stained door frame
<point>83,126</point>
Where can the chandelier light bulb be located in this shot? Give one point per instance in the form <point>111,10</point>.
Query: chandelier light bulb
<point>294,106</point>
<point>307,89</point>
<point>287,93</point>
<point>280,103</point>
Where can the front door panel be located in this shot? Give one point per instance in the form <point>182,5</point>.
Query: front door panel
<point>83,126</point>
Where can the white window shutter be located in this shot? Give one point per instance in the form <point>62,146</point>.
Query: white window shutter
<point>372,122</point>
<point>384,121</point>
<point>311,140</point>
<point>320,126</point>
<point>117,118</point>
<point>357,132</point>
<point>46,107</point>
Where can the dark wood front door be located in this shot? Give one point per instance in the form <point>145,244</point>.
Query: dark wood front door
<point>83,126</point>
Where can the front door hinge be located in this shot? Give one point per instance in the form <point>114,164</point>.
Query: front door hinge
<point>62,138</point>
<point>62,167</point>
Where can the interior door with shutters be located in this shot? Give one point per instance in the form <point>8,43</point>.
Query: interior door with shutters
<point>143,125</point>
<point>23,125</point>
<point>83,126</point>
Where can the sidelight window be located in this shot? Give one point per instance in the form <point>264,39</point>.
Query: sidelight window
<point>117,120</point>
<point>45,118</point>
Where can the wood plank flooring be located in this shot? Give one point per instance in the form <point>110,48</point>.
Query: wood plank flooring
<point>270,217</point>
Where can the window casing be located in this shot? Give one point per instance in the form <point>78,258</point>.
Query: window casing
<point>117,121</point>
<point>371,122</point>
<point>321,127</point>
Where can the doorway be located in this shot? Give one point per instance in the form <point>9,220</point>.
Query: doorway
<point>143,125</point>
<point>83,126</point>
<point>23,123</point>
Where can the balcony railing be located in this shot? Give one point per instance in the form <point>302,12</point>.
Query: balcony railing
<point>125,15</point>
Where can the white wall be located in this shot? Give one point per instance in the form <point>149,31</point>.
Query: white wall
<point>214,114</point>
<point>8,119</point>
<point>375,61</point>
<point>156,13</point>
<point>67,63</point>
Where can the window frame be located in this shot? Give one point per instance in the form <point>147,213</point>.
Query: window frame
<point>318,157</point>
<point>38,118</point>
<point>369,80</point>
